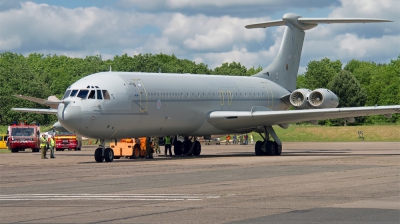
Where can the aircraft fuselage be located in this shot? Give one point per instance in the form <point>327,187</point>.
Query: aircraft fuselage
<point>178,103</point>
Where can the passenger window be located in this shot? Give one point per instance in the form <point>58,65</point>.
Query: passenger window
<point>73,92</point>
<point>92,94</point>
<point>66,94</point>
<point>106,95</point>
<point>99,96</point>
<point>83,93</point>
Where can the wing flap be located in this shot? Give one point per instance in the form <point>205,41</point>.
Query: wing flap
<point>36,111</point>
<point>247,119</point>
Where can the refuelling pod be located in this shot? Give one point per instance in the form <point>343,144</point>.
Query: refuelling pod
<point>299,99</point>
<point>323,98</point>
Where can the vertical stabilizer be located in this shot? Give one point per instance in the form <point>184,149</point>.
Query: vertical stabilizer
<point>283,70</point>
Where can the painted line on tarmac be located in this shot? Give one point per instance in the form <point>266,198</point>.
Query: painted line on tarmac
<point>106,197</point>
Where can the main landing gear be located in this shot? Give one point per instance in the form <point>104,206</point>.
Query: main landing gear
<point>268,147</point>
<point>103,154</point>
<point>187,147</point>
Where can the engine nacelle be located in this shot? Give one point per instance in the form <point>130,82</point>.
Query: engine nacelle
<point>299,99</point>
<point>323,98</point>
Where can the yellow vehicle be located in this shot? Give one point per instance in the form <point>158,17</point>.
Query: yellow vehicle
<point>3,141</point>
<point>128,147</point>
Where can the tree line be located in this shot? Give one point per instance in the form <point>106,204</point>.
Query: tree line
<point>357,84</point>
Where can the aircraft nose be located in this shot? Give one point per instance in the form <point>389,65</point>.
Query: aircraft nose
<point>70,117</point>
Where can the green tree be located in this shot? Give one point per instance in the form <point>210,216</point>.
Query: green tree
<point>319,73</point>
<point>349,92</point>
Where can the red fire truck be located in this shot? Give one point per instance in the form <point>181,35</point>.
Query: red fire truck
<point>66,140</point>
<point>23,136</point>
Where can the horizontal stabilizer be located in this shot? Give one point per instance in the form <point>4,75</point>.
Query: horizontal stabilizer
<point>341,20</point>
<point>36,111</point>
<point>308,23</point>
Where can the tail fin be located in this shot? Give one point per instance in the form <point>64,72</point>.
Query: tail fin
<point>283,70</point>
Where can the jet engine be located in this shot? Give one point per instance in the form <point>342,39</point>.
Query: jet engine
<point>323,98</point>
<point>299,99</point>
<point>317,99</point>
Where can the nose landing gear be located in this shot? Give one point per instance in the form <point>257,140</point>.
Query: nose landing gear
<point>103,154</point>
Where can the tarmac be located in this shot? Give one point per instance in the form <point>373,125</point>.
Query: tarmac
<point>351,182</point>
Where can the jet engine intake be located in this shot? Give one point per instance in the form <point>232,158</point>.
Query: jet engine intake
<point>323,98</point>
<point>299,99</point>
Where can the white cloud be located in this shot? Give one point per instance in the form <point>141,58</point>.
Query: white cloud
<point>213,40</point>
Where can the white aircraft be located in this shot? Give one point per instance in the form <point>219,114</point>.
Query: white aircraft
<point>114,105</point>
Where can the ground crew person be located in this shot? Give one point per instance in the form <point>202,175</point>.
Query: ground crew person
<point>156,146</point>
<point>43,144</point>
<point>149,153</point>
<point>228,138</point>
<point>52,143</point>
<point>167,145</point>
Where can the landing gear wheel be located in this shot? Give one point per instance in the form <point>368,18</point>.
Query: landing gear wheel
<point>14,150</point>
<point>270,148</point>
<point>197,148</point>
<point>136,152</point>
<point>178,148</point>
<point>278,149</point>
<point>258,148</point>
<point>108,155</point>
<point>186,147</point>
<point>98,155</point>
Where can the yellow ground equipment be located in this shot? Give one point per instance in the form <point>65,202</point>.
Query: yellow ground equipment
<point>129,147</point>
<point>3,141</point>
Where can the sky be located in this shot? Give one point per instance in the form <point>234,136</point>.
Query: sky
<point>205,31</point>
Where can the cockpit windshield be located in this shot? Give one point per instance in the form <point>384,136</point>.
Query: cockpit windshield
<point>83,93</point>
<point>66,94</point>
<point>74,92</point>
<point>92,94</point>
<point>106,95</point>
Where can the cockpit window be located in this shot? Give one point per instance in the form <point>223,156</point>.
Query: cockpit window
<point>106,95</point>
<point>83,93</point>
<point>66,94</point>
<point>74,92</point>
<point>99,96</point>
<point>92,94</point>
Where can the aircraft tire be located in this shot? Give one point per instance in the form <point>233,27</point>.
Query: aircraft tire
<point>186,147</point>
<point>178,148</point>
<point>257,148</point>
<point>278,149</point>
<point>108,155</point>
<point>98,155</point>
<point>14,150</point>
<point>136,152</point>
<point>270,150</point>
<point>197,148</point>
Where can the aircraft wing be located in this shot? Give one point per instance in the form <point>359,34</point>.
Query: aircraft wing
<point>36,111</point>
<point>52,101</point>
<point>231,120</point>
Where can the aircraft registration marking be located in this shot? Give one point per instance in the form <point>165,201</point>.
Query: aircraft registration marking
<point>107,197</point>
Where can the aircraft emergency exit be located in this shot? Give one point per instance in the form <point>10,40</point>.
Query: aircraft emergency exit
<point>114,105</point>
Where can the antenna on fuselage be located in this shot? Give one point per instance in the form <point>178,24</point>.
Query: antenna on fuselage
<point>110,68</point>
<point>159,69</point>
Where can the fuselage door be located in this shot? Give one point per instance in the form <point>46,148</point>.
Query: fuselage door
<point>270,101</point>
<point>140,94</point>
